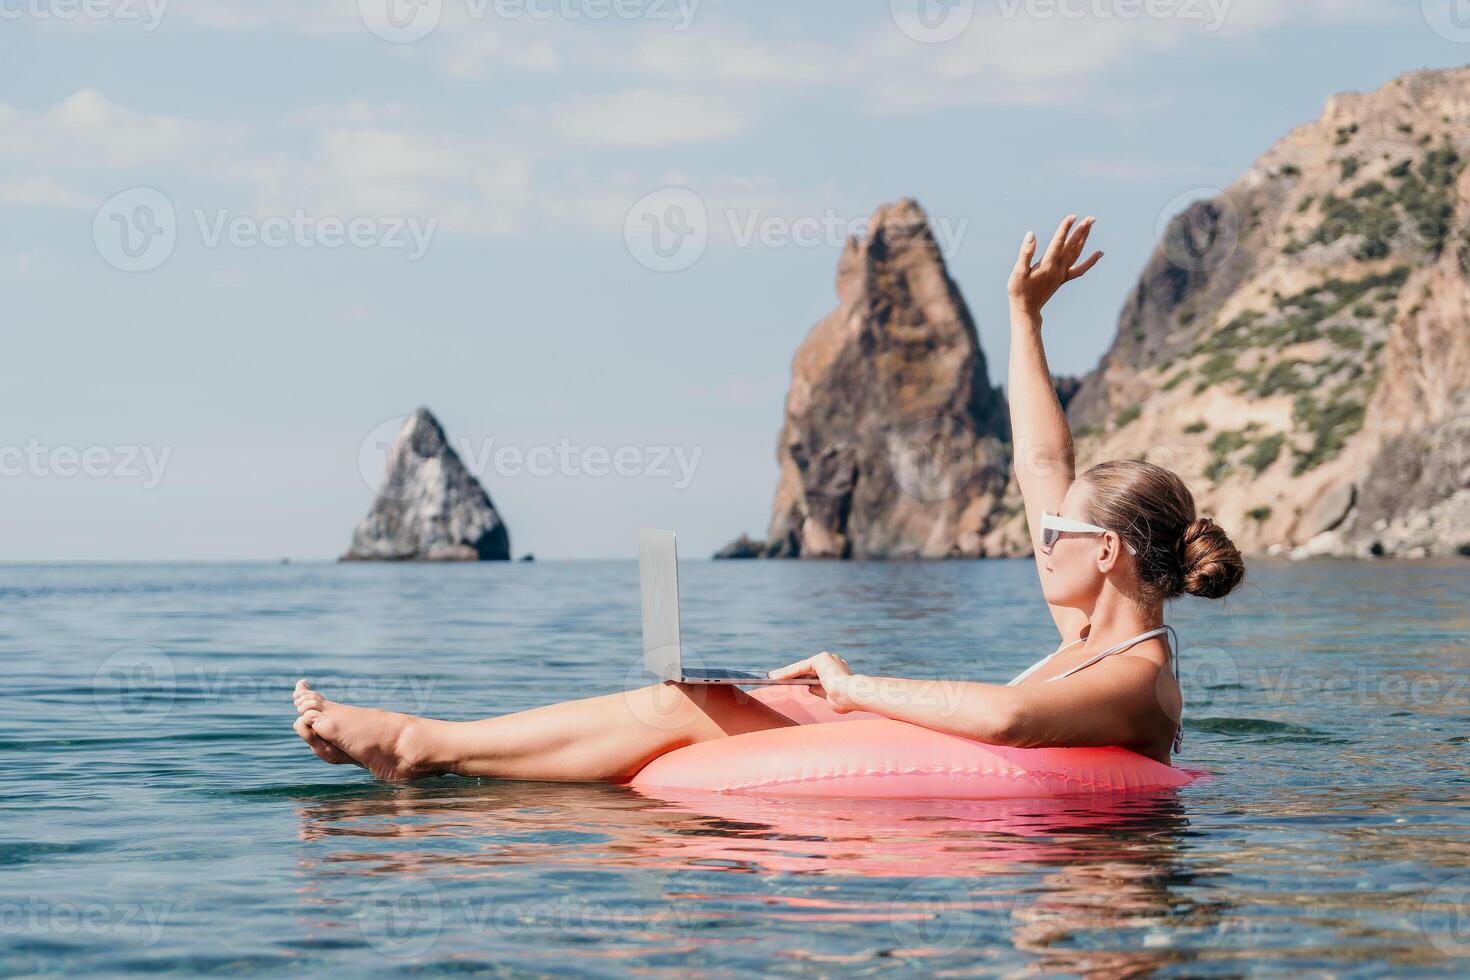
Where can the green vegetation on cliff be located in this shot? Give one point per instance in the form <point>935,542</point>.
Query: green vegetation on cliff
<point>1420,206</point>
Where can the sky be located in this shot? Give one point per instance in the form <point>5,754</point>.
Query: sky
<point>240,239</point>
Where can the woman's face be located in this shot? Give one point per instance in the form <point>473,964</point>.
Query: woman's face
<point>1070,573</point>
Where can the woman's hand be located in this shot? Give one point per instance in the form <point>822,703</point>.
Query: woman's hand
<point>831,670</point>
<point>1031,286</point>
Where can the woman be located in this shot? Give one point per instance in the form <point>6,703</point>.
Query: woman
<point>1111,547</point>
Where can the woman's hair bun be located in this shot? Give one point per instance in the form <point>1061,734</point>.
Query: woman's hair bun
<point>1212,564</point>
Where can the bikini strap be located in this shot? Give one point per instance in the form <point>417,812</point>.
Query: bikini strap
<point>1116,648</point>
<point>1044,661</point>
<point>1174,659</point>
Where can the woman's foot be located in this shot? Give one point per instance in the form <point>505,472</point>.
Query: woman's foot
<point>385,743</point>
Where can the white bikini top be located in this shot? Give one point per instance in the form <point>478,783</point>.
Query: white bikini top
<point>1116,648</point>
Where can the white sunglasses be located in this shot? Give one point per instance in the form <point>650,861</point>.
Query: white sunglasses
<point>1052,526</point>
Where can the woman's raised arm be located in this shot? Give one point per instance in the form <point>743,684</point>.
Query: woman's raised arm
<point>1044,462</point>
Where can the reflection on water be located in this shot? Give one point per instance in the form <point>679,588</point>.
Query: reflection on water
<point>909,880</point>
<point>156,813</point>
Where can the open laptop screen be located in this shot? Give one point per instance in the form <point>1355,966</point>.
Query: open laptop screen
<point>658,582</point>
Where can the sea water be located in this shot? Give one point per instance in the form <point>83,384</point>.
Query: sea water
<point>158,814</point>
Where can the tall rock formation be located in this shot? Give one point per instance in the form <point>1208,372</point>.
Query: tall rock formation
<point>893,441</point>
<point>429,507</point>
<point>1298,347</point>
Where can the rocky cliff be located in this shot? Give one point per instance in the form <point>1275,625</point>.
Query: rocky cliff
<point>893,440</point>
<point>429,507</point>
<point>1298,346</point>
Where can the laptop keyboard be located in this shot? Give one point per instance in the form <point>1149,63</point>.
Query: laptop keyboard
<point>717,673</point>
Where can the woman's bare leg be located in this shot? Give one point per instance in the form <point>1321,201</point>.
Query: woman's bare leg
<point>603,738</point>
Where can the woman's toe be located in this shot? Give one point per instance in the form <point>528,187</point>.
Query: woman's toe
<point>309,701</point>
<point>324,750</point>
<point>321,723</point>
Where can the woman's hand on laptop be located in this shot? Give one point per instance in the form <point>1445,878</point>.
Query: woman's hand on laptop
<point>833,672</point>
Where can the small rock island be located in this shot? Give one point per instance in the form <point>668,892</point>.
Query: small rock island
<point>430,507</point>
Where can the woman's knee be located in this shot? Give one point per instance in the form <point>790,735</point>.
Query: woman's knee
<point>684,712</point>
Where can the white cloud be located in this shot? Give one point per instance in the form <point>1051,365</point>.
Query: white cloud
<point>1020,59</point>
<point>1243,16</point>
<point>650,117</point>
<point>85,129</point>
<point>494,171</point>
<point>468,184</point>
<point>725,55</point>
<point>478,56</point>
<point>359,158</point>
<point>1013,52</point>
<point>354,112</point>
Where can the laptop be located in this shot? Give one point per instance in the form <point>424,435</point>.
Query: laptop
<point>663,654</point>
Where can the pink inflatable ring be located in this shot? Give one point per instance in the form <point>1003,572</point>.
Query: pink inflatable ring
<point>866,757</point>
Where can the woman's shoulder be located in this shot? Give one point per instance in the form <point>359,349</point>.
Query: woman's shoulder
<point>1154,650</point>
